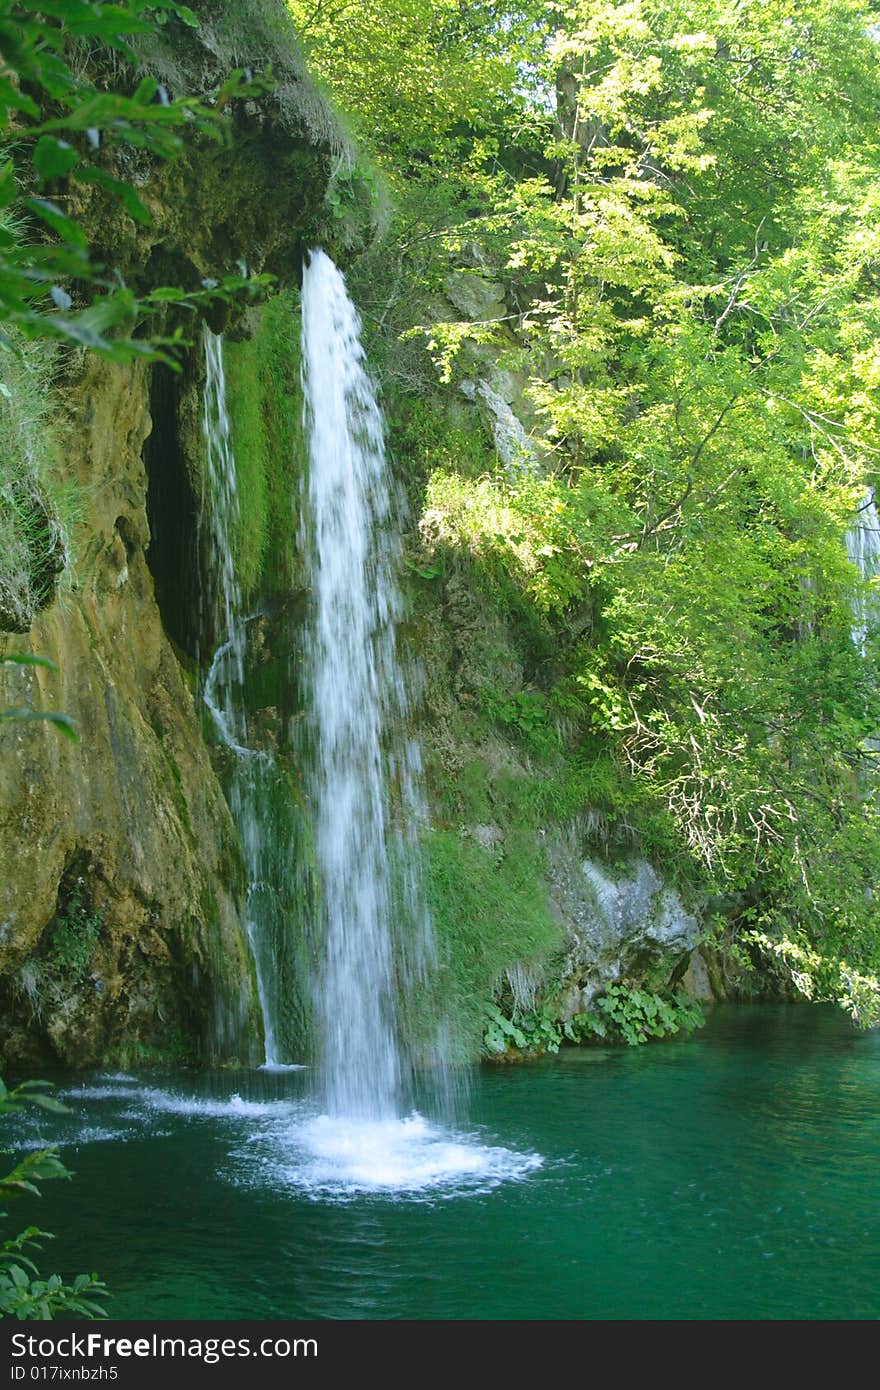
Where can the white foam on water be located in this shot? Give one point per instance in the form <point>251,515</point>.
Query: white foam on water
<point>96,1093</point>
<point>333,1158</point>
<point>283,1066</point>
<point>208,1107</point>
<point>19,1145</point>
<point>142,1101</point>
<point>97,1134</point>
<point>286,1146</point>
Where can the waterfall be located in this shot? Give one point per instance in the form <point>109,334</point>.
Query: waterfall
<point>376,932</point>
<point>252,771</point>
<point>863,549</point>
<point>355,1132</point>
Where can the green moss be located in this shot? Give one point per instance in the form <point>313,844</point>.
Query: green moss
<point>548,792</point>
<point>267,684</point>
<point>178,797</point>
<point>265,406</point>
<point>430,433</point>
<point>260,34</point>
<point>490,911</point>
<point>179,1050</point>
<point>252,461</point>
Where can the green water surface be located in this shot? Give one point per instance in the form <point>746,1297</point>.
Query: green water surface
<point>733,1174</point>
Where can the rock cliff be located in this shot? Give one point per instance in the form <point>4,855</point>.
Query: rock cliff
<point>121,888</point>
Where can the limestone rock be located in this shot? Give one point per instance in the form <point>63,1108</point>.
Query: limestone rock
<point>474,295</point>
<point>628,925</point>
<point>512,443</point>
<point>696,981</point>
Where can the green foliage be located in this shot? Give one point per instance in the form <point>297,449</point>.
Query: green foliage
<point>500,1032</point>
<point>430,437</point>
<point>62,129</point>
<point>820,975</point>
<point>534,1032</point>
<point>24,1293</point>
<point>524,714</point>
<point>687,237</point>
<point>75,935</point>
<point>626,1013</point>
<point>23,1296</point>
<point>416,74</point>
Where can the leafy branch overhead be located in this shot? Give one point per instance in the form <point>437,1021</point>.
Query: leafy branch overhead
<point>58,128</point>
<point>24,1293</point>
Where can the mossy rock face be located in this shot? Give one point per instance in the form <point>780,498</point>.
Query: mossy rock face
<point>265,404</point>
<point>251,200</point>
<point>492,915</point>
<point>151,940</point>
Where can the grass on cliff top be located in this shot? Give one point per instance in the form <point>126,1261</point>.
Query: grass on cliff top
<point>38,507</point>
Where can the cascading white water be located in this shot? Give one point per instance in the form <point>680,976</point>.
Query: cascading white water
<point>863,548</point>
<point>364,784</point>
<point>376,930</point>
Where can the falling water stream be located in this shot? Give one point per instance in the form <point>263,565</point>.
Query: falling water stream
<point>863,549</point>
<point>357,701</point>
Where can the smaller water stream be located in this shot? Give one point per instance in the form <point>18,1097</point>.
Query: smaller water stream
<point>252,773</point>
<point>863,548</point>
